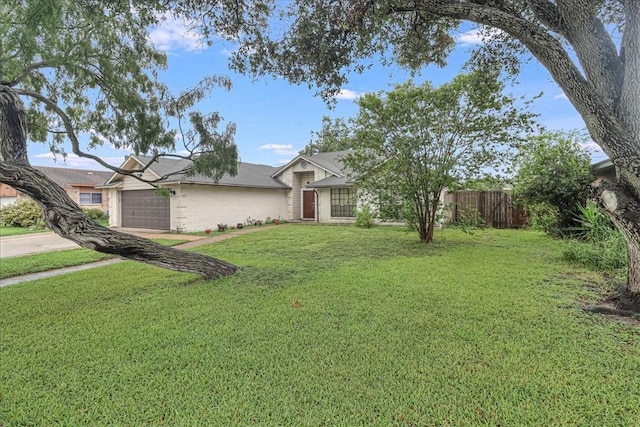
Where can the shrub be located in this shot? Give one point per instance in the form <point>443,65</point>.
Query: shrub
<point>364,217</point>
<point>606,255</point>
<point>470,220</point>
<point>553,170</point>
<point>96,214</point>
<point>601,245</point>
<point>24,213</point>
<point>544,217</point>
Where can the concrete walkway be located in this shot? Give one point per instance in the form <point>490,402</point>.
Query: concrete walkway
<point>195,241</point>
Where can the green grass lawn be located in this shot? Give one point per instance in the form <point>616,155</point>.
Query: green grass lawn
<point>15,231</point>
<point>323,326</point>
<point>36,263</point>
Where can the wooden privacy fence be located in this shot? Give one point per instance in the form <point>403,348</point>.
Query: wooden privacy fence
<point>496,208</point>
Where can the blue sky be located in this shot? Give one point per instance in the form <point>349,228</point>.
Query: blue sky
<point>275,119</point>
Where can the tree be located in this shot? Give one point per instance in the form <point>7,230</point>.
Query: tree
<point>334,136</point>
<point>591,48</point>
<point>415,141</point>
<point>554,170</point>
<point>72,68</point>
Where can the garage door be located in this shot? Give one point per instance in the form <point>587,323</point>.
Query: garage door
<point>145,209</point>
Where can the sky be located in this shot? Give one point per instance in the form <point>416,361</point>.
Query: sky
<point>275,119</point>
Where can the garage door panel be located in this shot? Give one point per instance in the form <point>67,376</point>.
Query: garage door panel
<point>145,209</point>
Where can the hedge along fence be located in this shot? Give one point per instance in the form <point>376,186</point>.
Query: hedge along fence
<point>496,208</point>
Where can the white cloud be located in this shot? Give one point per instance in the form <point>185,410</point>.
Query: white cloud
<point>347,94</point>
<point>276,147</point>
<point>477,36</point>
<point>280,149</point>
<point>560,96</point>
<point>175,34</point>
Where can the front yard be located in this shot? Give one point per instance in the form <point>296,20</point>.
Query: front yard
<point>323,326</point>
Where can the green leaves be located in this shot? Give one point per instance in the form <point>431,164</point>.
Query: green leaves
<point>414,141</point>
<point>554,169</point>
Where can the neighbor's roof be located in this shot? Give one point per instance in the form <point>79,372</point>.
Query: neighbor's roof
<point>66,177</point>
<point>604,164</point>
<point>249,174</point>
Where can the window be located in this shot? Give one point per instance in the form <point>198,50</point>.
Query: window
<point>343,202</point>
<point>90,198</point>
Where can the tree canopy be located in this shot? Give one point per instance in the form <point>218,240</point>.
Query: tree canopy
<point>335,135</point>
<point>85,72</point>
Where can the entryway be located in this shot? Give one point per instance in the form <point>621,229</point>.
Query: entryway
<point>308,204</point>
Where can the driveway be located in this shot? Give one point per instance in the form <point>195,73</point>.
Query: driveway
<point>26,244</point>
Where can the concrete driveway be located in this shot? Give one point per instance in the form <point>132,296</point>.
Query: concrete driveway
<point>26,244</point>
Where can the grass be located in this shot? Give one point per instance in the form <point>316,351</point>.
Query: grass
<point>16,231</point>
<point>323,326</point>
<point>36,263</point>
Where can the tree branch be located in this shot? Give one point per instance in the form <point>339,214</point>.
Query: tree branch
<point>27,71</point>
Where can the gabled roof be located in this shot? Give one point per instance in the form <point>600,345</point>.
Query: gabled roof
<point>66,177</point>
<point>249,174</point>
<point>329,161</point>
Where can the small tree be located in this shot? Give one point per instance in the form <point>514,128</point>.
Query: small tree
<point>554,170</point>
<point>413,142</point>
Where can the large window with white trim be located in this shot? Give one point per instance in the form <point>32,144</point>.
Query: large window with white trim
<point>343,202</point>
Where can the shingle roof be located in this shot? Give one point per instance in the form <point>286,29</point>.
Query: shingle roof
<point>249,174</point>
<point>66,177</point>
<point>332,181</point>
<point>331,161</point>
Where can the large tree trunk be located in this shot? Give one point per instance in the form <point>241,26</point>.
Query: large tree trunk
<point>624,209</point>
<point>64,216</point>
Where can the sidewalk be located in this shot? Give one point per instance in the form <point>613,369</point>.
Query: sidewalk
<point>195,242</point>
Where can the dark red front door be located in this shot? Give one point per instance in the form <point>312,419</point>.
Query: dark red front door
<point>308,205</point>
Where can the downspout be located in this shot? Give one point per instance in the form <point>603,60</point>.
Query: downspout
<point>315,192</point>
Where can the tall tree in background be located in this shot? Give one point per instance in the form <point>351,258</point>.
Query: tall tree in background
<point>69,68</point>
<point>335,135</point>
<point>591,48</point>
<point>414,141</point>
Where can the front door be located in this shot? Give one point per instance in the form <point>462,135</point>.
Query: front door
<point>309,204</point>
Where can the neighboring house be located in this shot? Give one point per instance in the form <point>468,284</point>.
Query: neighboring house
<point>604,170</point>
<point>313,188</point>
<point>79,184</point>
<point>8,195</point>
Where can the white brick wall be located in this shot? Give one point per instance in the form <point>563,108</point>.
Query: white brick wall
<point>199,207</point>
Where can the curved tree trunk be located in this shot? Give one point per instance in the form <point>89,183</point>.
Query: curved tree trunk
<point>624,209</point>
<point>64,216</point>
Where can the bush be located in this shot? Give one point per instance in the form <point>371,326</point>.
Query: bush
<point>470,220</point>
<point>24,213</point>
<point>96,214</point>
<point>553,171</point>
<point>544,217</point>
<point>364,217</point>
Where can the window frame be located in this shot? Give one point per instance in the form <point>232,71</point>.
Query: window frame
<point>343,201</point>
<point>92,197</point>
